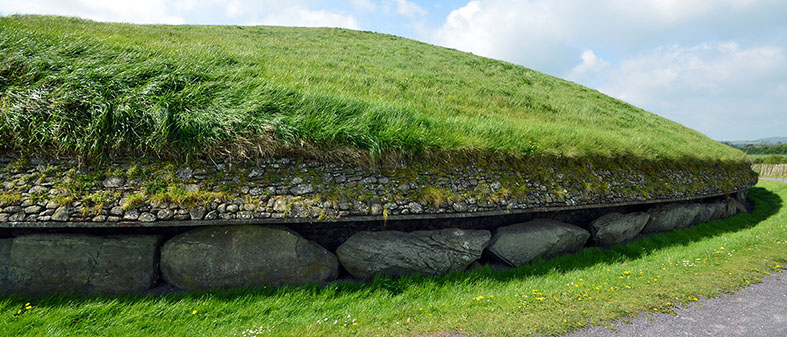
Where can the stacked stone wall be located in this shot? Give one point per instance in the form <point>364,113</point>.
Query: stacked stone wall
<point>132,227</point>
<point>61,194</point>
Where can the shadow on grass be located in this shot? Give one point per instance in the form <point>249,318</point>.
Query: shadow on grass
<point>766,204</point>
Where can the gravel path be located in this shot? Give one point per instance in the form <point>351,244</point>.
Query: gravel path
<point>784,180</point>
<point>758,310</point>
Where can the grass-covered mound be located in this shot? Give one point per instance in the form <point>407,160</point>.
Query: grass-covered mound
<point>81,88</point>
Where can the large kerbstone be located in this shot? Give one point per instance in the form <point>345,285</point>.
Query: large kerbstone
<point>394,253</point>
<point>48,263</point>
<point>710,211</point>
<point>733,207</point>
<point>670,216</point>
<point>5,260</point>
<point>615,227</point>
<point>242,256</point>
<point>719,210</point>
<point>518,244</point>
<point>692,210</point>
<point>742,195</point>
<point>705,213</point>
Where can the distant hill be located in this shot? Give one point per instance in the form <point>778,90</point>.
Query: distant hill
<point>763,141</point>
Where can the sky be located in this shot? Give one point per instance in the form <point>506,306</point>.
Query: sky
<point>716,66</point>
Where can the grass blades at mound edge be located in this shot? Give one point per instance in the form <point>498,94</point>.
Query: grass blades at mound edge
<point>546,297</point>
<point>92,90</point>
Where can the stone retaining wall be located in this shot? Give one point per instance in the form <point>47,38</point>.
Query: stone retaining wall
<point>132,225</point>
<point>128,194</point>
<point>37,261</point>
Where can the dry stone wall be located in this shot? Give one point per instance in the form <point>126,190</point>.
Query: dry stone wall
<point>51,194</point>
<point>131,227</point>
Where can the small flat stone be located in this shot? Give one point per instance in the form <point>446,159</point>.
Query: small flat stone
<point>131,215</point>
<point>302,189</point>
<point>117,210</point>
<point>16,217</point>
<point>377,209</point>
<point>197,213</point>
<point>38,189</point>
<point>212,215</point>
<point>33,209</point>
<point>146,217</point>
<point>12,209</point>
<point>415,208</point>
<point>164,214</point>
<point>184,173</point>
<point>114,182</point>
<point>61,214</point>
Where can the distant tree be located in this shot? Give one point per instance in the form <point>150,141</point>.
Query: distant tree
<point>771,160</point>
<point>765,149</point>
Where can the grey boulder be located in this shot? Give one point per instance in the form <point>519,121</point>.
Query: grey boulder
<point>670,216</point>
<point>394,253</point>
<point>615,227</point>
<point>719,210</point>
<point>734,206</point>
<point>705,214</point>
<point>710,211</point>
<point>51,263</point>
<point>243,256</point>
<point>742,195</point>
<point>5,260</point>
<point>519,244</point>
<point>693,211</point>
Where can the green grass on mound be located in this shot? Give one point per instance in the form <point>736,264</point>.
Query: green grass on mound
<point>593,287</point>
<point>77,87</point>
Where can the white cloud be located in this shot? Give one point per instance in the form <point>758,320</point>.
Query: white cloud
<point>268,12</point>
<point>546,34</point>
<point>591,65</point>
<point>713,87</point>
<point>138,11</point>
<point>409,9</point>
<point>523,32</point>
<point>303,17</point>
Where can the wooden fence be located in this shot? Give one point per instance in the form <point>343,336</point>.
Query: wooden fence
<point>770,170</point>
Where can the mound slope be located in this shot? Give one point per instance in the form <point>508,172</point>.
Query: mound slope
<point>77,87</point>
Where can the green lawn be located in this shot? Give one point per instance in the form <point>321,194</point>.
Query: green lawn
<point>768,158</point>
<point>81,88</point>
<point>547,297</point>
